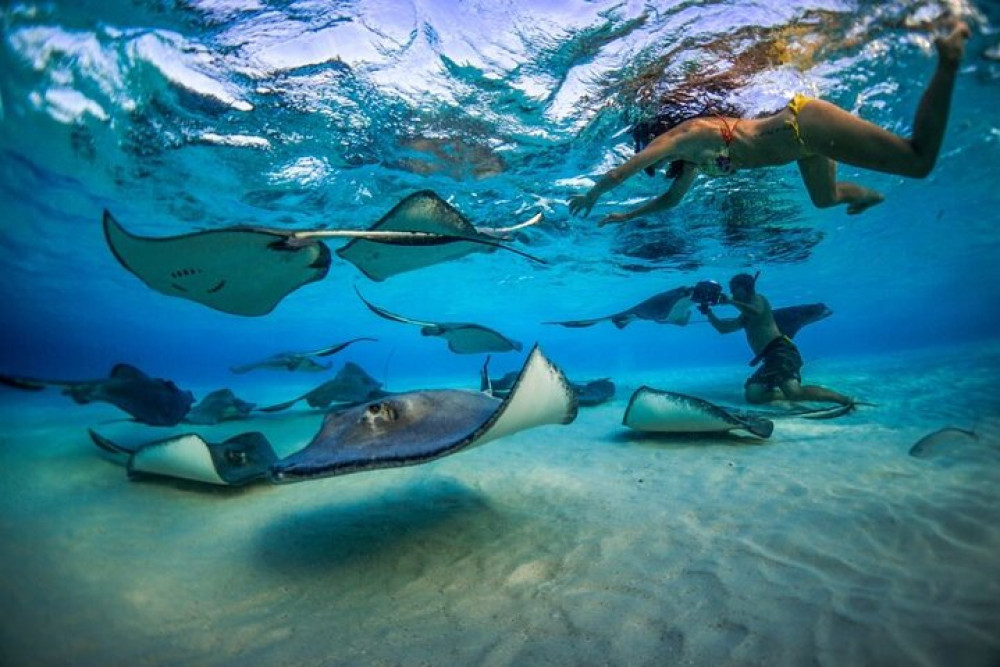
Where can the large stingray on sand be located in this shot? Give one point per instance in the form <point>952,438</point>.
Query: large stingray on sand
<point>246,270</point>
<point>462,337</point>
<point>656,411</point>
<point>297,361</point>
<point>351,385</point>
<point>401,430</point>
<point>149,400</point>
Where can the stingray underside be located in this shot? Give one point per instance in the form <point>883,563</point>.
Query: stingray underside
<point>422,211</point>
<point>238,270</point>
<point>652,410</point>
<point>417,427</point>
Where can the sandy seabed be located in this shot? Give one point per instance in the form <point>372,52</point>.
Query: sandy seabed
<point>581,544</point>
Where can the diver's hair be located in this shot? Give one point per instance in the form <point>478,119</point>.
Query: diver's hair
<point>744,280</point>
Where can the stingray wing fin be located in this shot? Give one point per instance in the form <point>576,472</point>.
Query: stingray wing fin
<point>237,270</point>
<point>540,395</point>
<point>334,349</point>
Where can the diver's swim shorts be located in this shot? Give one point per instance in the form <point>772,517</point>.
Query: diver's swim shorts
<point>782,362</point>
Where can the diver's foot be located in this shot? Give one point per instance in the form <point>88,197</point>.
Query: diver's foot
<point>951,47</point>
<point>864,203</point>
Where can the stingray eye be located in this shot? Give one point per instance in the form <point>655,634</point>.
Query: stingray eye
<point>374,409</point>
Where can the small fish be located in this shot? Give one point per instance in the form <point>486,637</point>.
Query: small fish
<point>923,447</point>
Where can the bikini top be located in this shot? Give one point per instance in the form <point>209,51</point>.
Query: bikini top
<point>722,163</point>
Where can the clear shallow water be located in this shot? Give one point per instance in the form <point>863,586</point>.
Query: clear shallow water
<point>317,114</point>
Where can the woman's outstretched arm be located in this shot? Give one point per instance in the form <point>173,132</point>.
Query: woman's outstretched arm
<point>664,147</point>
<point>668,199</point>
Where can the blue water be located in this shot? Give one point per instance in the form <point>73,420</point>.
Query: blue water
<point>828,544</point>
<point>302,115</point>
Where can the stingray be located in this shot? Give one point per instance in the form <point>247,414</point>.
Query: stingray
<point>401,430</point>
<point>427,213</point>
<point>219,406</point>
<point>670,307</point>
<point>246,270</point>
<point>351,385</point>
<point>924,448</point>
<point>462,337</point>
<point>239,270</point>
<point>417,427</point>
<point>652,410</point>
<point>588,394</point>
<point>298,361</point>
<point>239,460</point>
<point>149,400</point>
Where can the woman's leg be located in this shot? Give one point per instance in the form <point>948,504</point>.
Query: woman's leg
<point>836,134</point>
<point>820,176</point>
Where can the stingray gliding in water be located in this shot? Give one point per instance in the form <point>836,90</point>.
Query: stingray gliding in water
<point>400,430</point>
<point>462,337</point>
<point>425,213</point>
<point>219,406</point>
<point>351,385</point>
<point>298,361</point>
<point>149,400</point>
<point>245,270</point>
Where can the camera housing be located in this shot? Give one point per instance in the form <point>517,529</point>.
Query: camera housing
<point>707,293</point>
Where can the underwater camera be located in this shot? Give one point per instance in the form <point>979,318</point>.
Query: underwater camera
<point>707,293</point>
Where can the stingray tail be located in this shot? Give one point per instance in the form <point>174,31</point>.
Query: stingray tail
<point>578,324</point>
<point>280,406</point>
<point>760,427</point>
<point>26,384</point>
<point>117,453</point>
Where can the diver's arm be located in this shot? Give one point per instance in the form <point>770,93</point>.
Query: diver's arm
<point>664,147</point>
<point>669,199</point>
<point>720,325</point>
<point>749,309</point>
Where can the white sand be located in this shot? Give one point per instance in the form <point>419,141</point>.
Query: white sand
<point>579,545</point>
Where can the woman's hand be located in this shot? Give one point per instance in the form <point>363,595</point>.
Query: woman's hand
<point>581,204</point>
<point>614,218</point>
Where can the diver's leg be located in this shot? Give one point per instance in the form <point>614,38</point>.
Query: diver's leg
<point>794,391</point>
<point>841,136</point>
<point>760,393</point>
<point>820,176</point>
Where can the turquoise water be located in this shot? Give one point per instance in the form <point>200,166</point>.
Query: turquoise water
<point>131,107</point>
<point>181,117</point>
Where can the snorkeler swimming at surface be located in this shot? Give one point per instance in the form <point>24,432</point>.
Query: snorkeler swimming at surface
<point>814,133</point>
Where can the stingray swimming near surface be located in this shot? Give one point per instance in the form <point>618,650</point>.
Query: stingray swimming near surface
<point>152,401</point>
<point>426,212</point>
<point>351,385</point>
<point>298,361</point>
<point>588,394</point>
<point>400,430</point>
<point>462,337</point>
<point>246,270</point>
<point>219,406</point>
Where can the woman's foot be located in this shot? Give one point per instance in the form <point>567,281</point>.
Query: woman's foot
<point>864,202</point>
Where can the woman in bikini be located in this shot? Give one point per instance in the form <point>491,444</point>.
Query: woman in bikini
<point>815,134</point>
